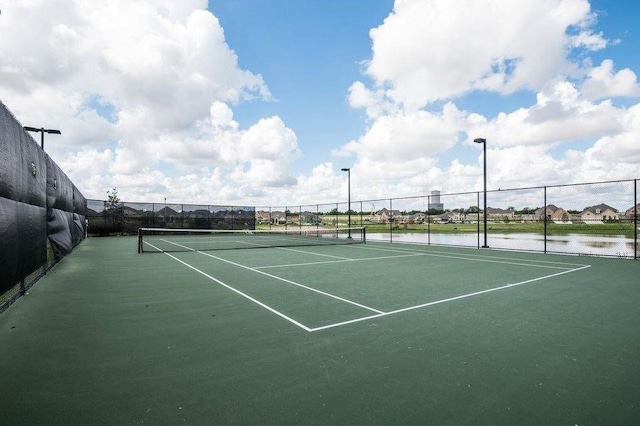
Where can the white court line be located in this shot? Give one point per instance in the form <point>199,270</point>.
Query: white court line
<point>333,296</point>
<point>338,261</point>
<point>487,259</point>
<point>450,299</point>
<point>315,254</point>
<point>462,256</point>
<point>267,307</point>
<point>378,314</point>
<point>415,253</point>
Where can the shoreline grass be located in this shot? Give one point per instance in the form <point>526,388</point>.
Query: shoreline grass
<point>617,228</point>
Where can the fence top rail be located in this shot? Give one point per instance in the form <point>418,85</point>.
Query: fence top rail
<point>408,197</point>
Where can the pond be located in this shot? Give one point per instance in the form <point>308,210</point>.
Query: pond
<point>595,245</point>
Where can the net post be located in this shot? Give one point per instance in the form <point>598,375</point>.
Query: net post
<point>364,234</point>
<point>139,240</point>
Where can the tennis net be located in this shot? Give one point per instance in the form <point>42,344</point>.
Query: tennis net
<point>176,240</point>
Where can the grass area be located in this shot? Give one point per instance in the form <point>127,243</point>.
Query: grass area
<point>614,228</point>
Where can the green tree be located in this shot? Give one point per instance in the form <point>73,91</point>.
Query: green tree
<point>113,200</point>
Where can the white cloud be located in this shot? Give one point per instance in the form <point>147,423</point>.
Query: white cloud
<point>144,92</point>
<point>560,114</point>
<point>375,103</point>
<point>435,50</point>
<point>138,86</point>
<point>404,136</point>
<point>603,82</point>
<point>621,148</point>
<point>432,51</point>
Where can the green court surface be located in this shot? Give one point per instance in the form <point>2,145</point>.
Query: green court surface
<point>373,333</point>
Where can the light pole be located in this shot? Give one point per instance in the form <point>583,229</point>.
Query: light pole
<point>42,131</point>
<point>484,156</point>
<point>348,170</point>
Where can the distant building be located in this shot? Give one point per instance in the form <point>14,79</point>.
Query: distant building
<point>385,215</point>
<point>497,213</point>
<point>599,213</point>
<point>551,212</point>
<point>434,201</point>
<point>632,212</point>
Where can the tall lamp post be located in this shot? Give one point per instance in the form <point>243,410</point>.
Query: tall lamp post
<point>348,170</point>
<point>484,156</point>
<point>42,131</point>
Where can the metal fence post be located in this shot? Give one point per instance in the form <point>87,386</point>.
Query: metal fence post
<point>428,220</point>
<point>391,220</point>
<point>544,212</point>
<point>478,218</point>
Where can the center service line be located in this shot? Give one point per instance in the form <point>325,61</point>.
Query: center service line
<point>294,283</point>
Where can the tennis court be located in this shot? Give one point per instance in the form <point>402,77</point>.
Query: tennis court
<point>372,333</point>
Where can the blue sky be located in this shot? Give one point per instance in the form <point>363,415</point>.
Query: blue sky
<point>309,53</point>
<point>264,101</point>
<point>289,42</point>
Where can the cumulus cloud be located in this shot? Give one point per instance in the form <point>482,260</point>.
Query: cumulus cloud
<point>404,136</point>
<point>621,148</point>
<point>560,114</point>
<point>143,92</point>
<point>437,50</point>
<point>603,82</point>
<point>427,53</point>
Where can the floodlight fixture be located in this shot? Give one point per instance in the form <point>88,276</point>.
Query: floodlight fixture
<point>42,131</point>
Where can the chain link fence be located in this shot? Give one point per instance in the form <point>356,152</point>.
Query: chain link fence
<point>593,219</point>
<point>125,218</point>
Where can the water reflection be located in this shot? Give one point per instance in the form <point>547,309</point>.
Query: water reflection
<point>596,245</point>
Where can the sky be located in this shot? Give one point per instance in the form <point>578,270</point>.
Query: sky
<point>263,102</point>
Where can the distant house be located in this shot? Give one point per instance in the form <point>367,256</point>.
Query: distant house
<point>166,214</point>
<point>633,211</point>
<point>415,218</point>
<point>278,218</point>
<point>445,217</point>
<point>273,218</point>
<point>462,217</point>
<point>495,213</point>
<point>527,217</point>
<point>131,212</point>
<point>262,217</point>
<point>551,212</point>
<point>385,215</point>
<point>599,213</point>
